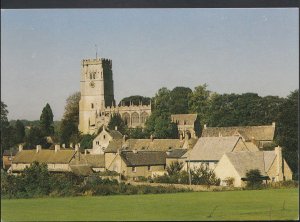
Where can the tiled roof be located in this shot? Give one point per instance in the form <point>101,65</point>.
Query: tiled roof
<point>44,156</point>
<point>92,160</point>
<point>177,153</point>
<point>258,132</point>
<point>82,170</point>
<point>144,158</point>
<point>145,144</point>
<point>115,134</point>
<point>184,119</point>
<point>212,148</point>
<point>244,161</point>
<point>8,152</point>
<point>251,146</point>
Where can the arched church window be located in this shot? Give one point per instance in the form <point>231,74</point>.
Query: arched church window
<point>94,76</point>
<point>126,118</point>
<point>144,117</point>
<point>101,75</point>
<point>92,105</point>
<point>90,75</point>
<point>135,118</point>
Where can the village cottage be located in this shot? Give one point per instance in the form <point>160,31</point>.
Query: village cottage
<point>253,136</point>
<point>209,150</point>
<point>235,165</point>
<point>57,160</point>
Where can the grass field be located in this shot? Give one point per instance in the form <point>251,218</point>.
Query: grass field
<point>280,204</point>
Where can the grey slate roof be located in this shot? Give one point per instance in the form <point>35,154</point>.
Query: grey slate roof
<point>115,134</point>
<point>212,148</point>
<point>177,153</point>
<point>92,160</point>
<point>258,132</point>
<point>44,156</point>
<point>244,161</point>
<point>144,144</point>
<point>144,158</point>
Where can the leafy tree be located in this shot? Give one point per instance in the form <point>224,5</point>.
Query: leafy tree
<point>20,132</point>
<point>179,100</point>
<point>205,176</point>
<point>137,133</point>
<point>161,128</point>
<point>6,130</point>
<point>36,179</point>
<point>254,179</point>
<point>162,103</point>
<point>174,168</point>
<point>135,100</point>
<point>117,121</point>
<point>87,141</point>
<point>35,137</point>
<point>287,130</point>
<point>46,121</point>
<point>199,102</point>
<point>69,124</point>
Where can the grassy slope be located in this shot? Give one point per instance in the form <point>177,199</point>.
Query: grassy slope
<point>234,205</point>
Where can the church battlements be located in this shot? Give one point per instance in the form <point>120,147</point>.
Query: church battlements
<point>97,61</point>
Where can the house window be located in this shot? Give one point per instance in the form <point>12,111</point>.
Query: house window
<point>133,169</point>
<point>103,136</point>
<point>149,168</point>
<point>92,105</point>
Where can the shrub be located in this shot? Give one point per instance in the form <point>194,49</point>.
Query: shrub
<point>254,179</point>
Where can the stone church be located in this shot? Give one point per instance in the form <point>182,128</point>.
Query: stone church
<point>97,103</point>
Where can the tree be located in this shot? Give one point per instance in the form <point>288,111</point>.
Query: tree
<point>117,121</point>
<point>137,133</point>
<point>19,132</point>
<point>162,103</point>
<point>174,168</point>
<point>46,121</point>
<point>87,141</point>
<point>287,130</point>
<point>254,178</point>
<point>35,137</point>
<point>179,103</point>
<point>135,100</point>
<point>69,124</point>
<point>6,130</point>
<point>199,102</point>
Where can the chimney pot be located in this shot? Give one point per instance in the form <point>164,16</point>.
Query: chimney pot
<point>116,127</point>
<point>20,147</point>
<point>38,148</point>
<point>76,148</point>
<point>151,137</point>
<point>273,124</point>
<point>57,147</point>
<point>85,152</point>
<point>205,126</point>
<point>64,145</point>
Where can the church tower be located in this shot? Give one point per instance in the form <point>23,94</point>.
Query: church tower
<point>97,92</point>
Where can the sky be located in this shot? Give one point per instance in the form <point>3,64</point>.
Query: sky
<point>231,50</point>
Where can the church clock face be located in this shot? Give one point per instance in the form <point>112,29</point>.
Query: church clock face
<point>92,84</point>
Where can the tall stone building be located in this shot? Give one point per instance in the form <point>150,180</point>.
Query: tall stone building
<point>97,103</point>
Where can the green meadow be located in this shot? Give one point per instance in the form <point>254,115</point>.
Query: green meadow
<point>273,204</point>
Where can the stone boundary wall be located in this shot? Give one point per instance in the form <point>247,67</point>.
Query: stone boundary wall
<point>185,186</point>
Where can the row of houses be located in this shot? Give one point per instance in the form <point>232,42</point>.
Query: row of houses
<point>229,151</point>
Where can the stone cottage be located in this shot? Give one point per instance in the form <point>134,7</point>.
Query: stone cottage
<point>235,165</point>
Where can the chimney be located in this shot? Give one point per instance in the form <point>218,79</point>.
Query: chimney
<point>20,147</point>
<point>151,137</point>
<point>116,128</point>
<point>124,138</point>
<point>85,152</point>
<point>63,145</point>
<point>204,126</point>
<point>273,124</point>
<point>278,152</point>
<point>76,147</point>
<point>38,148</point>
<point>71,145</point>
<point>180,137</point>
<point>57,147</point>
<point>220,135</point>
